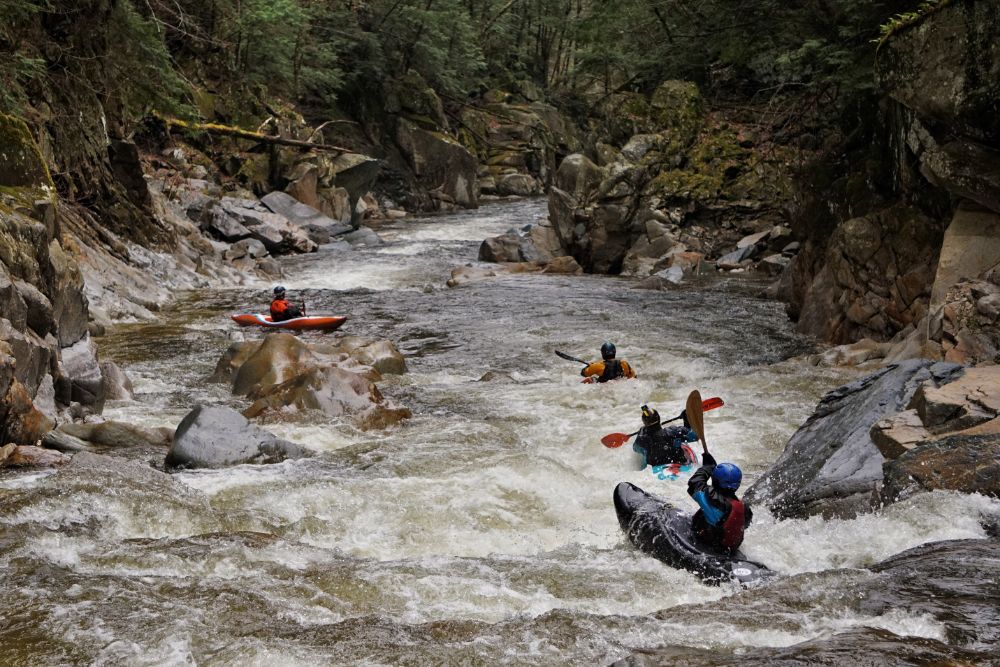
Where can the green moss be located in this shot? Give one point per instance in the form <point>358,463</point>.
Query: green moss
<point>710,168</point>
<point>677,108</point>
<point>23,172</point>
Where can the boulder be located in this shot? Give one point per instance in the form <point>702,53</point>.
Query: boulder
<point>247,247</point>
<point>20,421</point>
<point>275,231</point>
<point>329,389</point>
<point>563,265</point>
<point>117,385</point>
<point>277,359</point>
<point>318,225</point>
<point>896,435</point>
<point>81,367</point>
<point>28,456</point>
<point>353,175</point>
<point>39,315</point>
<point>216,437</point>
<point>831,466</point>
<point>382,355</point>
<point>520,185</point>
<point>965,402</point>
<point>363,236</point>
<point>853,354</point>
<point>117,435</point>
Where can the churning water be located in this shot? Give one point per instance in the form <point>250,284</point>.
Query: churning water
<point>481,531</point>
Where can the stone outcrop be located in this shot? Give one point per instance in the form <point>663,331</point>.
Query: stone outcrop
<point>876,277</point>
<point>441,164</point>
<point>939,72</point>
<point>518,144</point>
<point>936,582</point>
<point>962,323</point>
<point>911,427</point>
<point>692,173</point>
<point>217,437</point>
<point>831,465</point>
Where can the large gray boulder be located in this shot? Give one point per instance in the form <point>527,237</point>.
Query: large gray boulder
<point>831,466</point>
<point>216,437</point>
<point>320,227</point>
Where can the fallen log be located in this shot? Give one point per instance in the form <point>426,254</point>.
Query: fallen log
<point>238,133</point>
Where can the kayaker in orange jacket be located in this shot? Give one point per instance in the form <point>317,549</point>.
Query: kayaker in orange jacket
<point>608,368</point>
<point>282,309</point>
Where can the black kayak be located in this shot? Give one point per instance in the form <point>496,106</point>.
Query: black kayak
<point>663,531</point>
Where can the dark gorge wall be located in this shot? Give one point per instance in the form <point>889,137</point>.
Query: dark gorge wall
<point>903,245</point>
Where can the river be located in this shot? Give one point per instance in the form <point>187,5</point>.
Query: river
<point>481,531</point>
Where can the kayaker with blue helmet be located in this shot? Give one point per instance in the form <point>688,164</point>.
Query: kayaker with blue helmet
<point>282,309</point>
<point>608,368</point>
<point>663,446</point>
<point>721,517</point>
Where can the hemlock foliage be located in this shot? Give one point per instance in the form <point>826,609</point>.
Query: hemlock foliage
<point>313,51</point>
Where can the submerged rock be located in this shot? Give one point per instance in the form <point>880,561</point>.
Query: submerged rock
<point>216,437</point>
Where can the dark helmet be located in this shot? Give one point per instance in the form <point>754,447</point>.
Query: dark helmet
<point>608,351</point>
<point>650,417</point>
<point>279,291</point>
<point>727,476</point>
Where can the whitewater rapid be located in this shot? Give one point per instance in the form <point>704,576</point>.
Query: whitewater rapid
<point>480,531</point>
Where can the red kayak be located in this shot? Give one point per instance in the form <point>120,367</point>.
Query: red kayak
<point>310,323</point>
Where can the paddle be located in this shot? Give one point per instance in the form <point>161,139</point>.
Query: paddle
<point>571,358</point>
<point>696,417</point>
<point>612,440</point>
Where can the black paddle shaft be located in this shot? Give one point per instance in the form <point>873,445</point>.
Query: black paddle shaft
<point>571,358</point>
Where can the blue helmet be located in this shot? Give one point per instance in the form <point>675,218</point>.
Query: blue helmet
<point>727,476</point>
<point>279,290</point>
<point>608,351</point>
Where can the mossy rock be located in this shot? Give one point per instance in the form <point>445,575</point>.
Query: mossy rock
<point>255,172</point>
<point>418,100</point>
<point>712,167</point>
<point>24,175</point>
<point>677,106</point>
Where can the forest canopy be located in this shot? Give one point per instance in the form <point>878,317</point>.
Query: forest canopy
<point>314,52</point>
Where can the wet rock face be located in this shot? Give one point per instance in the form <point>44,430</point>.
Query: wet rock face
<point>949,439</point>
<point>217,437</point>
<point>831,466</point>
<point>968,463</point>
<point>441,164</point>
<point>945,69</point>
<point>876,277</point>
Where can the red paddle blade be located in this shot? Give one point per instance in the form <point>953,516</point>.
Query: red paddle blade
<point>712,403</point>
<point>612,440</point>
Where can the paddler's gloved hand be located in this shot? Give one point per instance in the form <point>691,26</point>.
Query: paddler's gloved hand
<point>684,416</point>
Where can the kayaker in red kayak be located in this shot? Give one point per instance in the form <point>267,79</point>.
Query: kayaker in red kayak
<point>282,309</point>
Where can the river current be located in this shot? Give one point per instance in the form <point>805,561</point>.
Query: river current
<point>481,531</point>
